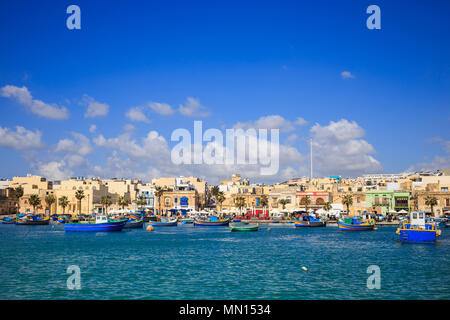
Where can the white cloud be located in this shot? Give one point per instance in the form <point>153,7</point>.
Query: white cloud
<point>438,162</point>
<point>267,122</point>
<point>161,108</point>
<point>300,121</point>
<point>20,139</point>
<point>137,114</point>
<point>192,107</point>
<point>23,97</point>
<point>81,145</point>
<point>94,108</point>
<point>54,170</point>
<point>92,128</point>
<point>338,149</point>
<point>347,75</point>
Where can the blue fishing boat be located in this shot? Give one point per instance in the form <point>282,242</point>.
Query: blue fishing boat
<point>187,221</point>
<point>7,220</point>
<point>101,224</point>
<point>32,220</point>
<point>163,222</point>
<point>356,224</point>
<point>211,222</point>
<point>134,223</point>
<point>417,229</point>
<point>309,221</point>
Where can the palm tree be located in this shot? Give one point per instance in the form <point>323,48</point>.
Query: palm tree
<point>347,200</point>
<point>431,202</point>
<point>63,202</point>
<point>327,206</point>
<point>240,203</point>
<point>49,200</point>
<point>159,193</point>
<point>106,202</point>
<point>34,201</point>
<point>306,201</point>
<point>18,193</point>
<point>79,195</point>
<point>264,201</point>
<point>284,202</point>
<point>220,198</point>
<point>123,202</point>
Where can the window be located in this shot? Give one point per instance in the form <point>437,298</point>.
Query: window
<point>415,215</point>
<point>167,201</point>
<point>444,189</point>
<point>447,202</point>
<point>358,199</point>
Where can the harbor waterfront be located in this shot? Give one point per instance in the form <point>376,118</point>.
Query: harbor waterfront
<point>188,262</point>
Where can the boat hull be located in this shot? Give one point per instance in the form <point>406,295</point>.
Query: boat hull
<point>355,227</point>
<point>163,224</point>
<point>202,223</point>
<point>130,224</point>
<point>244,228</point>
<point>37,222</point>
<point>95,227</point>
<point>417,236</point>
<point>306,224</point>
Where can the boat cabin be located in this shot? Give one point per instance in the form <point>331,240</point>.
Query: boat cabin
<point>417,219</point>
<point>101,219</point>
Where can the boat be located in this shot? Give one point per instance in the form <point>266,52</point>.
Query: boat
<point>163,222</point>
<point>356,224</point>
<point>309,221</point>
<point>244,227</point>
<point>7,220</point>
<point>211,222</point>
<point>187,220</point>
<point>417,229</point>
<point>134,223</point>
<point>101,223</point>
<point>32,220</point>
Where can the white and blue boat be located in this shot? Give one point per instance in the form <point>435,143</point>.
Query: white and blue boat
<point>101,224</point>
<point>163,222</point>
<point>418,229</point>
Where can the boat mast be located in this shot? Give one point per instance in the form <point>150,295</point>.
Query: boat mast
<point>311,159</point>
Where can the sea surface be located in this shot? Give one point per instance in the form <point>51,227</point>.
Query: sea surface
<point>187,262</point>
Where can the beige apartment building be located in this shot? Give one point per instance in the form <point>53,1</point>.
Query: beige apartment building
<point>32,184</point>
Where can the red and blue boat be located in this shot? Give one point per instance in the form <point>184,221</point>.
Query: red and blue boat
<point>163,222</point>
<point>101,224</point>
<point>356,224</point>
<point>211,222</point>
<point>309,221</point>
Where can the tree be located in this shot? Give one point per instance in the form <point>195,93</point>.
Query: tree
<point>214,191</point>
<point>123,202</point>
<point>220,198</point>
<point>327,206</point>
<point>240,203</point>
<point>79,195</point>
<point>264,201</point>
<point>347,200</point>
<point>49,200</point>
<point>34,201</point>
<point>306,201</point>
<point>106,202</point>
<point>284,202</point>
<point>63,202</point>
<point>431,202</point>
<point>18,193</point>
<point>140,201</point>
<point>159,193</point>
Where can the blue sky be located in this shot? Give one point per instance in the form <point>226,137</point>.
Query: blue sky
<point>241,62</point>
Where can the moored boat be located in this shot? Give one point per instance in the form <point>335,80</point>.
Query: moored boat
<point>7,220</point>
<point>134,223</point>
<point>417,229</point>
<point>187,220</point>
<point>162,222</point>
<point>309,221</point>
<point>211,222</point>
<point>101,223</point>
<point>244,227</point>
<point>356,224</point>
<point>32,220</point>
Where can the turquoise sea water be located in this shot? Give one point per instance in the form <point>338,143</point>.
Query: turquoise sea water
<point>188,262</point>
